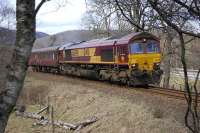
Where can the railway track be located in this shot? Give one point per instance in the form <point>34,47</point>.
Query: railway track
<point>171,93</point>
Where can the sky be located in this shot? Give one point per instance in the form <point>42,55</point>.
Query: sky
<point>58,15</point>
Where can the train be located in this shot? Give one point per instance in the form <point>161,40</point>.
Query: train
<point>133,59</point>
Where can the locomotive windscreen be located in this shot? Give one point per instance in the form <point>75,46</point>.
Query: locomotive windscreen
<point>149,46</point>
<point>152,47</point>
<point>136,47</point>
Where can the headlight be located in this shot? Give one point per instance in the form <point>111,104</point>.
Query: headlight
<point>134,66</point>
<point>156,65</point>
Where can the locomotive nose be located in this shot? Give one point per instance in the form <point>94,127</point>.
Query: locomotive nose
<point>145,66</point>
<point>144,61</point>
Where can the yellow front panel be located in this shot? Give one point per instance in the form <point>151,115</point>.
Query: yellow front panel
<point>144,61</point>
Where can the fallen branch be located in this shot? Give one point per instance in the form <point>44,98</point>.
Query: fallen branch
<point>85,123</point>
<point>43,121</point>
<point>30,115</point>
<point>42,110</point>
<point>56,123</point>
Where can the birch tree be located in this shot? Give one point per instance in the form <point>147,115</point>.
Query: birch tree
<point>25,37</point>
<point>7,14</point>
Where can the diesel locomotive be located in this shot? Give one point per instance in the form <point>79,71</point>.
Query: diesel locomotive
<point>133,59</point>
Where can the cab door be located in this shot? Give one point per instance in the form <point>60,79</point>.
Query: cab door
<point>60,55</point>
<point>122,52</point>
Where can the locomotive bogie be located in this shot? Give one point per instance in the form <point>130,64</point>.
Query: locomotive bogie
<point>105,75</point>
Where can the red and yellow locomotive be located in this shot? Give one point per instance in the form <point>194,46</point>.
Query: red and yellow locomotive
<point>133,59</point>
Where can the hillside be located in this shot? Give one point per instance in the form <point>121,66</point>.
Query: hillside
<point>7,36</point>
<point>72,36</point>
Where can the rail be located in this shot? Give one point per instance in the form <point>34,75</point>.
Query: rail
<point>172,93</point>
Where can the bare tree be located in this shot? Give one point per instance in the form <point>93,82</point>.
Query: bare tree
<point>176,17</point>
<point>99,16</point>
<point>192,7</point>
<point>7,14</point>
<point>25,37</point>
<point>180,19</point>
<point>7,20</point>
<point>167,56</point>
<point>104,17</point>
<point>134,12</point>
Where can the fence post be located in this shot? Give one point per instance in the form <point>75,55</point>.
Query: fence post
<point>48,105</point>
<point>52,119</point>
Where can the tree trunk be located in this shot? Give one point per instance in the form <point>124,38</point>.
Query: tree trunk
<point>25,37</point>
<point>191,111</point>
<point>167,59</point>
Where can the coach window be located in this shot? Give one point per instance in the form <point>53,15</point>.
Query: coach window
<point>47,55</point>
<point>136,47</point>
<point>53,56</point>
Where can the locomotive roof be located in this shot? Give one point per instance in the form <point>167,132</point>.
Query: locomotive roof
<point>109,42</point>
<point>100,42</point>
<point>65,46</point>
<point>139,35</point>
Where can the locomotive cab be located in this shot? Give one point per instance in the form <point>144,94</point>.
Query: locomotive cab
<point>144,60</point>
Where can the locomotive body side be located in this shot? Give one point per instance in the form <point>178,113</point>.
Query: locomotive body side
<point>89,52</point>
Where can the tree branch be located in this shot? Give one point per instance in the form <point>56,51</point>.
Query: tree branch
<point>164,16</point>
<point>196,100</point>
<point>189,8</point>
<point>39,6</point>
<point>128,19</point>
<point>188,41</point>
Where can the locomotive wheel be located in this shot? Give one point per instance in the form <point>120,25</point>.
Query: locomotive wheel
<point>123,81</point>
<point>129,83</point>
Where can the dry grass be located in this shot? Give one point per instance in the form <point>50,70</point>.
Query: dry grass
<point>75,100</point>
<point>33,95</point>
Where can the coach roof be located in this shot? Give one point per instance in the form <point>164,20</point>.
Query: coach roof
<point>54,48</point>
